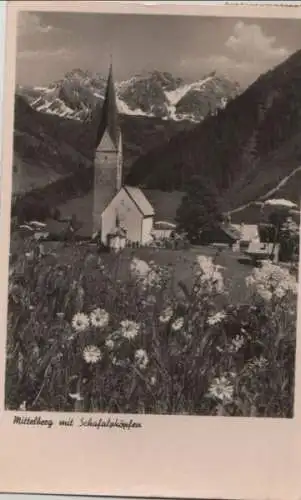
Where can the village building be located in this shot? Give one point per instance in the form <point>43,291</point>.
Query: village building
<point>247,233</point>
<point>258,251</point>
<point>224,235</point>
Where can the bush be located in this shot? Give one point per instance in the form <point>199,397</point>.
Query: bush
<point>32,208</point>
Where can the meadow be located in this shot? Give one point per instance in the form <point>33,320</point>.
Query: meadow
<point>190,332</point>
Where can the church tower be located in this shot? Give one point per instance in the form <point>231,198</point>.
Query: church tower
<point>108,155</point>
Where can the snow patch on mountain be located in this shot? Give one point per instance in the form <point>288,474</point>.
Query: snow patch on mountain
<point>174,96</point>
<point>124,109</point>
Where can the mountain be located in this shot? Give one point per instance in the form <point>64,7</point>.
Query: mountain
<point>247,149</point>
<point>48,148</point>
<point>152,94</point>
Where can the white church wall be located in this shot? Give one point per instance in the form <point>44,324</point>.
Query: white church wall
<point>129,216</point>
<point>147,226</point>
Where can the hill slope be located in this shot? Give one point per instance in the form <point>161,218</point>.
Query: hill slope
<point>247,148</point>
<point>48,147</point>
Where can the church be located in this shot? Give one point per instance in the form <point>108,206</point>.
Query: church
<point>111,205</point>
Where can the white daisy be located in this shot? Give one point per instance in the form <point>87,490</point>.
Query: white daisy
<point>177,324</point>
<point>92,354</point>
<point>166,315</point>
<point>216,318</point>
<point>99,318</point>
<point>237,343</point>
<point>141,359</point>
<point>222,390</point>
<point>129,329</point>
<point>80,322</point>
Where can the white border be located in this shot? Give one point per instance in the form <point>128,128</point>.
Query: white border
<point>191,457</point>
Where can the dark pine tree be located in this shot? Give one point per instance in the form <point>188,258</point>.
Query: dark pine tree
<point>200,208</point>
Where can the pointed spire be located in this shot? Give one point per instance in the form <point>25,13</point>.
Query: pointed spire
<point>109,114</point>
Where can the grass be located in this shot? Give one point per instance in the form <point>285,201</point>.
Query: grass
<point>149,331</point>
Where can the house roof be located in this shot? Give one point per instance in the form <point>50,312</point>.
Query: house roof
<point>247,232</point>
<point>140,200</point>
<point>109,114</point>
<point>164,225</point>
<point>280,202</point>
<point>231,231</point>
<point>165,203</point>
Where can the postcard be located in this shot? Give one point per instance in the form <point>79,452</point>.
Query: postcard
<point>150,250</point>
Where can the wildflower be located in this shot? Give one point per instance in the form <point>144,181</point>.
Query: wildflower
<point>153,380</point>
<point>119,362</point>
<point>270,280</point>
<point>146,275</point>
<point>139,268</point>
<point>129,329</point>
<point>110,344</point>
<point>222,390</point>
<point>114,361</point>
<point>141,359</point>
<point>210,273</point>
<point>76,396</point>
<point>99,318</point>
<point>258,363</point>
<point>166,315</point>
<point>264,293</point>
<point>216,318</point>
<point>205,263</point>
<point>22,406</point>
<point>80,322</point>
<point>236,344</point>
<point>92,354</point>
<point>36,351</point>
<point>150,300</point>
<point>177,324</point>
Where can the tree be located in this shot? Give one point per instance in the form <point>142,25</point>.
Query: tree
<point>277,218</point>
<point>200,208</point>
<point>286,233</point>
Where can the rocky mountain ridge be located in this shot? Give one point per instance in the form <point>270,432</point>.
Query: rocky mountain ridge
<point>152,94</point>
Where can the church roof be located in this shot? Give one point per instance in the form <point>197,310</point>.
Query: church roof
<point>109,114</point>
<point>165,203</point>
<point>140,200</point>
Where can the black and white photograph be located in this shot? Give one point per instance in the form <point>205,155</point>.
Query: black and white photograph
<point>155,212</point>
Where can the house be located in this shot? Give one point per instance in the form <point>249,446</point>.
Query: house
<point>279,205</point>
<point>223,235</point>
<point>248,233</point>
<point>263,251</point>
<point>163,229</point>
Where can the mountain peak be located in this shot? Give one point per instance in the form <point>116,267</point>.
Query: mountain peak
<point>152,93</point>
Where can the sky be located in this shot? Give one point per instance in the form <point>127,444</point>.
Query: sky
<point>53,43</point>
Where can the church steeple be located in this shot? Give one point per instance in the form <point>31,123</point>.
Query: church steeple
<point>108,156</point>
<point>109,117</point>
